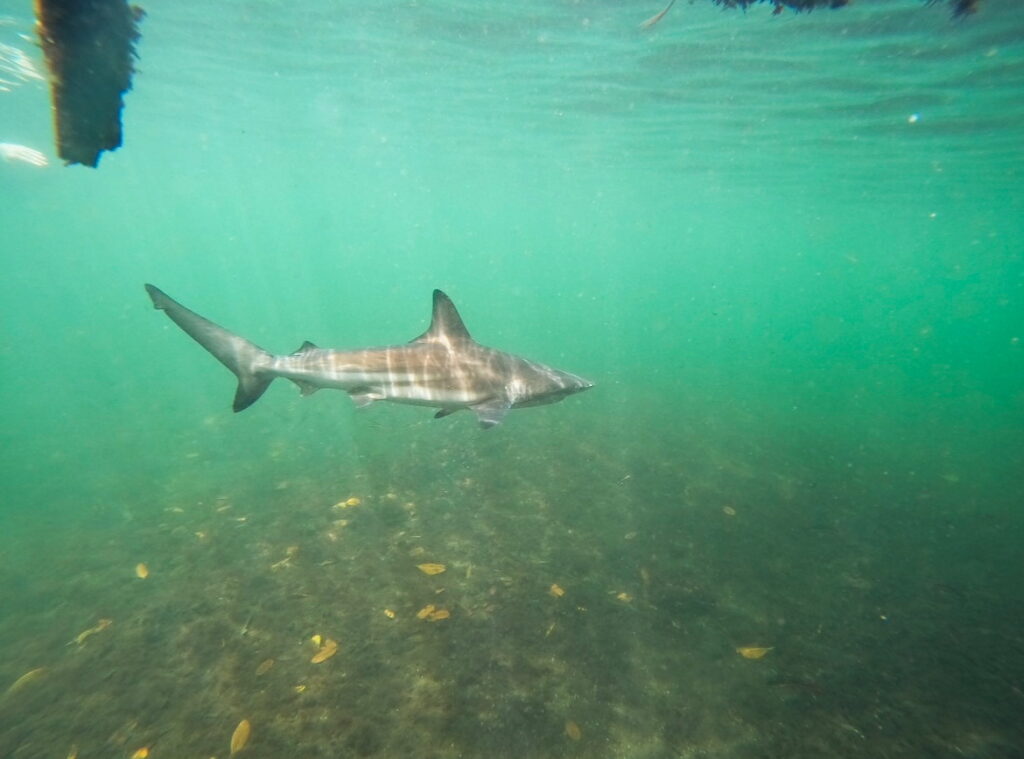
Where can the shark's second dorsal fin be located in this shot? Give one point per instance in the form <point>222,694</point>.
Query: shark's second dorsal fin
<point>445,323</point>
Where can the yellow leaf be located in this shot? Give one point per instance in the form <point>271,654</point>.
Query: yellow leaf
<point>573,730</point>
<point>327,650</point>
<point>438,615</point>
<point>103,624</point>
<point>753,652</point>
<point>264,667</point>
<point>141,571</point>
<point>25,679</point>
<point>240,737</point>
<point>556,590</point>
<point>317,640</point>
<point>426,611</point>
<point>389,614</point>
<point>624,597</point>
<point>140,753</point>
<point>431,569</point>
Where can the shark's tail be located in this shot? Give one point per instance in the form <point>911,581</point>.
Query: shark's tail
<point>248,362</point>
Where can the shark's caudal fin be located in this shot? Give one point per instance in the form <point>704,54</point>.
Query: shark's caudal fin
<point>247,361</point>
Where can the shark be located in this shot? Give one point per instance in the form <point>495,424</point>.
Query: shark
<point>444,368</point>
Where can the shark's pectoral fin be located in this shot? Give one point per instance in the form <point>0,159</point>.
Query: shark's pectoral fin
<point>444,412</point>
<point>491,413</point>
<point>365,399</point>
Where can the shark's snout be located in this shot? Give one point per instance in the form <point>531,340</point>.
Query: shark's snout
<point>582,383</point>
<point>572,383</point>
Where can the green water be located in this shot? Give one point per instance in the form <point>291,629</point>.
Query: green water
<point>788,251</point>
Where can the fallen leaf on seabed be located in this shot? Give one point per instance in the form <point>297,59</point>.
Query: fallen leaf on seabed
<point>573,730</point>
<point>753,652</point>
<point>240,737</point>
<point>103,624</point>
<point>389,614</point>
<point>264,667</point>
<point>140,753</point>
<point>327,650</point>
<point>25,679</point>
<point>426,611</point>
<point>556,590</point>
<point>289,554</point>
<point>141,571</point>
<point>431,569</point>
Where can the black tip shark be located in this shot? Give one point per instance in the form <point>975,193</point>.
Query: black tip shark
<point>443,368</point>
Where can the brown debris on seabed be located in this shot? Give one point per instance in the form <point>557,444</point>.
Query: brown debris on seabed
<point>89,46</point>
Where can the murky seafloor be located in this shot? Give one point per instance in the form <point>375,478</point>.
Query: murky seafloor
<point>735,602</point>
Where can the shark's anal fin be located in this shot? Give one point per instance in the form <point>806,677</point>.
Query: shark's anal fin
<point>306,388</point>
<point>491,413</point>
<point>444,412</point>
<point>363,399</point>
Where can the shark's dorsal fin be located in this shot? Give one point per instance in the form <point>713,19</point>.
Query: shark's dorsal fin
<point>445,323</point>
<point>305,348</point>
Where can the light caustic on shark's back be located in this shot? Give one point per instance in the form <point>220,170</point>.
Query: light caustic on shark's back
<point>443,368</point>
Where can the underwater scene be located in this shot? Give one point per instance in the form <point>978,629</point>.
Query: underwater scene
<point>710,444</point>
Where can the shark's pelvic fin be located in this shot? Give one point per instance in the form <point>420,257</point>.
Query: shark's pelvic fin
<point>491,413</point>
<point>365,398</point>
<point>445,323</point>
<point>246,360</point>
